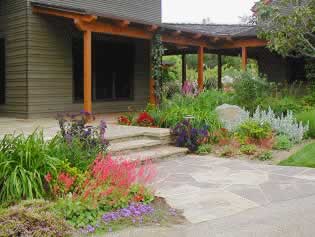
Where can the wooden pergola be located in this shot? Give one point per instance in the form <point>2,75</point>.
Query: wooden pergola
<point>98,23</point>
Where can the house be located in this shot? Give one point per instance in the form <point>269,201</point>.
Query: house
<point>69,55</point>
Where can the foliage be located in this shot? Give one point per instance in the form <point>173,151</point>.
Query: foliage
<point>187,136</point>
<point>254,129</point>
<point>267,155</point>
<point>288,26</point>
<point>248,90</point>
<point>204,149</point>
<point>248,149</point>
<point>171,88</point>
<point>285,124</point>
<point>157,54</point>
<point>282,142</point>
<point>32,218</point>
<point>24,161</point>
<point>79,143</point>
<point>74,126</point>
<point>109,184</point>
<point>308,118</point>
<point>281,104</point>
<point>124,120</point>
<point>145,120</point>
<point>173,111</point>
<point>303,158</point>
<point>220,136</point>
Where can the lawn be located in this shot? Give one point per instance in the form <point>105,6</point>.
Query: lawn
<point>303,158</point>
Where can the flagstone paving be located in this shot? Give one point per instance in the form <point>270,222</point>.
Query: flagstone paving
<point>222,197</point>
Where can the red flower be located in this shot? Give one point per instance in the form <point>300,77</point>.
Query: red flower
<point>145,120</point>
<point>48,177</point>
<point>123,120</point>
<point>66,179</point>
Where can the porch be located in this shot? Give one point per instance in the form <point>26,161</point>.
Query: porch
<point>101,79</point>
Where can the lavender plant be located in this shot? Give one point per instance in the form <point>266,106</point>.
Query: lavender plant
<point>283,125</point>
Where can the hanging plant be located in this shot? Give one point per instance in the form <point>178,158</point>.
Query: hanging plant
<point>157,54</point>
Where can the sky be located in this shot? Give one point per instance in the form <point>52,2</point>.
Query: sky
<point>193,11</point>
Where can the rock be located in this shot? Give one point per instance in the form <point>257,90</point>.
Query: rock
<point>231,116</point>
<point>227,80</point>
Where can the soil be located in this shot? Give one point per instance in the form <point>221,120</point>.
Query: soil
<point>277,155</point>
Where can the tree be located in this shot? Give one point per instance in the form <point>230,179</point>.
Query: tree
<point>288,26</point>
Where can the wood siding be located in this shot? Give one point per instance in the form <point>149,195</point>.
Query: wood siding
<point>50,82</point>
<point>13,27</point>
<point>147,10</point>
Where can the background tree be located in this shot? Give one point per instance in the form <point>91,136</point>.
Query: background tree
<point>288,25</point>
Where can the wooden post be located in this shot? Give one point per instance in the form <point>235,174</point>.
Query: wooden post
<point>87,71</point>
<point>244,58</point>
<point>219,71</point>
<point>184,70</point>
<point>200,67</point>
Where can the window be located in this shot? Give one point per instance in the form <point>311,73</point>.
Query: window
<point>2,71</point>
<point>112,70</point>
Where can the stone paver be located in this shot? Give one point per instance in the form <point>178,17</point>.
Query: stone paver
<point>221,197</point>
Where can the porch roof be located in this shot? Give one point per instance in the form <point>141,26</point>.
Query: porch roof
<point>176,34</point>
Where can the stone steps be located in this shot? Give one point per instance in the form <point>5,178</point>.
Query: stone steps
<point>154,154</point>
<point>135,143</point>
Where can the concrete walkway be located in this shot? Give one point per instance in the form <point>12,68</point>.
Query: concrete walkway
<point>221,197</point>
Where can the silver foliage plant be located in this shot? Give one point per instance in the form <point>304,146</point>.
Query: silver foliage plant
<point>285,124</point>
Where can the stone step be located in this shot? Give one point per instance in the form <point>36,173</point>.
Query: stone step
<point>155,154</point>
<point>135,144</point>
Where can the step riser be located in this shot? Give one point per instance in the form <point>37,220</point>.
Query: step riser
<point>133,149</point>
<point>164,139</point>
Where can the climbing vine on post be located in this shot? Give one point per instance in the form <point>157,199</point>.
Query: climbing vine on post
<point>157,54</point>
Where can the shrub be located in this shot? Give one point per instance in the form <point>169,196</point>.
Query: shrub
<point>124,120</point>
<point>254,130</point>
<point>282,142</point>
<point>285,124</point>
<point>249,89</point>
<point>24,161</point>
<point>249,149</point>
<point>265,156</point>
<point>204,149</point>
<point>171,112</point>
<point>109,184</point>
<point>74,126</point>
<point>145,120</point>
<point>281,105</point>
<point>187,136</point>
<point>308,118</point>
<point>79,143</point>
<point>32,218</point>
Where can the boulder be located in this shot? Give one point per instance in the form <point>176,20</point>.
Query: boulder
<point>231,116</point>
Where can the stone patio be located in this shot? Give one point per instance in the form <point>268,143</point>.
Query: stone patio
<point>222,197</point>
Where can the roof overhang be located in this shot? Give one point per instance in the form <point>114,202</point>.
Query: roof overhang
<point>109,24</point>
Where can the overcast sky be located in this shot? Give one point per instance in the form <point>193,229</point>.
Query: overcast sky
<point>193,11</point>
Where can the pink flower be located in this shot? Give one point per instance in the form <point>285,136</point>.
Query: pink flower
<point>48,177</point>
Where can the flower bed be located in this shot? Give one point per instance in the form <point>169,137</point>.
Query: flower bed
<point>86,189</point>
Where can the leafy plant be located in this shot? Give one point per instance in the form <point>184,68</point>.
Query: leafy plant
<point>254,130</point>
<point>187,136</point>
<point>308,118</point>
<point>24,161</point>
<point>74,126</point>
<point>249,149</point>
<point>33,218</point>
<point>282,142</point>
<point>204,149</point>
<point>267,155</point>
<point>249,89</point>
<point>285,124</point>
<point>173,111</point>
